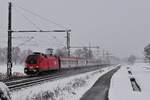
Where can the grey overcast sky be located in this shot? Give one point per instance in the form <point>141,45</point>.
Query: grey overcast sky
<point>119,26</point>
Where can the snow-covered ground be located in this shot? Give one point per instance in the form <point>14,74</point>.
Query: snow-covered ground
<point>4,92</point>
<point>16,69</point>
<point>121,88</point>
<point>70,88</point>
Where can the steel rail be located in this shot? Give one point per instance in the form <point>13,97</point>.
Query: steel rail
<point>23,83</point>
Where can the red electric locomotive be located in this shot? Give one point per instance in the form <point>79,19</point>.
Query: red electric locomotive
<point>38,62</point>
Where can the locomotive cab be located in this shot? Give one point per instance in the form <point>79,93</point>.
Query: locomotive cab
<point>39,62</point>
<point>31,64</point>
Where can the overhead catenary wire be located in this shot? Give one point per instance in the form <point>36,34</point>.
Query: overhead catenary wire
<point>41,17</point>
<point>25,42</point>
<point>28,19</point>
<point>60,43</point>
<point>21,37</point>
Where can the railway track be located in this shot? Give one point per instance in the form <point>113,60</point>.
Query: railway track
<point>30,81</point>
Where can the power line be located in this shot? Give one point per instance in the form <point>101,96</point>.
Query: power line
<point>25,42</point>
<point>27,19</point>
<point>21,37</point>
<point>41,17</point>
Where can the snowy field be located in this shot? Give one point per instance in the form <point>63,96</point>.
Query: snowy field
<point>16,69</point>
<point>121,88</point>
<point>70,88</point>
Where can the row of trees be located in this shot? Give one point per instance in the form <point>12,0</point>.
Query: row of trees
<point>147,53</point>
<point>18,56</point>
<point>83,53</point>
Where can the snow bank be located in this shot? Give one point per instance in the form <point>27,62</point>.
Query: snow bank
<point>15,69</point>
<point>121,88</point>
<point>4,92</point>
<point>70,88</point>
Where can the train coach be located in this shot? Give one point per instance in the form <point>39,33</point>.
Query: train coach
<point>38,62</point>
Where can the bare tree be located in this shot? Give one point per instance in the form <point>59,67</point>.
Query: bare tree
<point>84,53</point>
<point>78,53</point>
<point>147,53</point>
<point>24,55</point>
<point>61,52</point>
<point>3,55</point>
<point>16,55</point>
<point>131,59</point>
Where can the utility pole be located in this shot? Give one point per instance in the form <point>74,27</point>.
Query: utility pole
<point>68,42</point>
<point>9,49</point>
<point>89,50</point>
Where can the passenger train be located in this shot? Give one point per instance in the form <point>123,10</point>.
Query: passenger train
<point>39,62</point>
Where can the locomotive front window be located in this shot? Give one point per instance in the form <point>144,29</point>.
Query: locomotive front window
<point>31,59</point>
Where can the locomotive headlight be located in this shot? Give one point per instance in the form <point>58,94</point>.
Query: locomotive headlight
<point>37,66</point>
<point>25,70</point>
<point>34,70</point>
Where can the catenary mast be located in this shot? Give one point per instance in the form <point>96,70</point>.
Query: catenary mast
<point>9,49</point>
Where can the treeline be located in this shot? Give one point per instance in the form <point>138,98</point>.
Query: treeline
<point>147,53</point>
<point>82,53</point>
<point>18,56</point>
